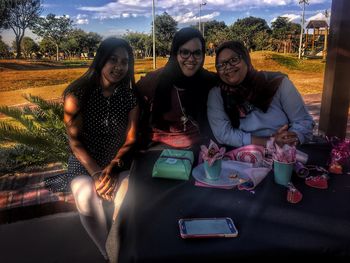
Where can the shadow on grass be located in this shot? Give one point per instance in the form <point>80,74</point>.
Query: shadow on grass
<point>294,63</point>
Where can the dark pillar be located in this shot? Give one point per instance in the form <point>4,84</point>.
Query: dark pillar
<point>336,89</point>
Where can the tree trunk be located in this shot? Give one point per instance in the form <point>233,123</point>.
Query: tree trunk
<point>18,47</point>
<point>56,52</point>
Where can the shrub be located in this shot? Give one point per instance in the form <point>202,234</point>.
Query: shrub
<point>38,134</point>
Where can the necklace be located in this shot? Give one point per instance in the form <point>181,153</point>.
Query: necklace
<point>183,118</point>
<point>108,110</point>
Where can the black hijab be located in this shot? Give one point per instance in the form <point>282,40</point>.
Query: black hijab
<point>196,86</point>
<point>256,90</point>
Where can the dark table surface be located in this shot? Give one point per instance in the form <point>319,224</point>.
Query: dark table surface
<point>318,226</point>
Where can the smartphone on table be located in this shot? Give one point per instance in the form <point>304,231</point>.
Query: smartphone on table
<point>207,227</point>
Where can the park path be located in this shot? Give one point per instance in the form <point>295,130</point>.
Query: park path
<point>313,103</point>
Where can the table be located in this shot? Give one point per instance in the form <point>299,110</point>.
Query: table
<point>318,226</point>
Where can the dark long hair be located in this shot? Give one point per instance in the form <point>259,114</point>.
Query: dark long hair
<point>197,85</point>
<point>83,86</point>
<point>257,88</point>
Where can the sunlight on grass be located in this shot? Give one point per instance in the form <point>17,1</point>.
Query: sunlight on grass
<point>48,79</point>
<point>293,63</point>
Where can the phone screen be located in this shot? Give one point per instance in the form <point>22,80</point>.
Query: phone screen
<point>209,226</point>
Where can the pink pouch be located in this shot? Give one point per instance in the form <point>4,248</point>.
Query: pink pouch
<point>251,154</point>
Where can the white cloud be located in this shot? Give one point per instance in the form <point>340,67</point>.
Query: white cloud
<point>186,11</point>
<point>319,16</point>
<point>191,18</point>
<point>297,18</point>
<point>57,16</point>
<point>119,9</point>
<point>291,18</point>
<point>179,8</point>
<point>81,19</point>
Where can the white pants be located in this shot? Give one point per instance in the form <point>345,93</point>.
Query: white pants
<point>90,208</point>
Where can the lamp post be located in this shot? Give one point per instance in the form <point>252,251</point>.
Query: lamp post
<point>302,25</point>
<point>154,36</point>
<point>200,10</point>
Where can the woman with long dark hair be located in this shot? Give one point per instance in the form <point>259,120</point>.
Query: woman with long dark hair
<point>175,96</point>
<point>250,106</point>
<point>101,114</point>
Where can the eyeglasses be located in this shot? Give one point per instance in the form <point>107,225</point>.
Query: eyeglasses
<point>185,53</point>
<point>232,61</point>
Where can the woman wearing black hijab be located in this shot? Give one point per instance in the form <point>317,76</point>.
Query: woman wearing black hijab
<point>175,96</point>
<point>250,106</point>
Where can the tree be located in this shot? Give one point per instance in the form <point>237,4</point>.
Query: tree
<point>216,37</point>
<point>262,41</point>
<point>29,47</point>
<point>92,41</point>
<point>47,47</point>
<point>140,43</point>
<point>4,8</point>
<point>166,28</point>
<point>280,28</point>
<point>20,15</point>
<point>4,49</point>
<point>148,45</point>
<point>211,27</point>
<point>70,46</point>
<point>78,41</point>
<point>245,29</point>
<point>214,25</point>
<point>284,31</point>
<point>54,28</point>
<point>75,43</point>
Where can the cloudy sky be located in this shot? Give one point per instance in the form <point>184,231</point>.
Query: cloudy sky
<point>119,16</point>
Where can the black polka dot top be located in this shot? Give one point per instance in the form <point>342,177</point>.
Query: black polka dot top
<point>105,121</point>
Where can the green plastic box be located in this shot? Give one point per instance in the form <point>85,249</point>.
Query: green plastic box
<point>173,164</point>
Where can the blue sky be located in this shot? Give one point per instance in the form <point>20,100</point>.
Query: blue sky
<point>119,16</point>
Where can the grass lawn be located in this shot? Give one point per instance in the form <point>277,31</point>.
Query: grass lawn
<point>49,79</point>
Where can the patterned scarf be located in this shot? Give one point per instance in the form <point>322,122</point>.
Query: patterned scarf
<point>256,90</point>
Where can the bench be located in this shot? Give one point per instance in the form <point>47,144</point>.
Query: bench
<point>23,196</point>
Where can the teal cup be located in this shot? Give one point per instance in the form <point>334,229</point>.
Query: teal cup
<point>212,172</point>
<point>282,172</point>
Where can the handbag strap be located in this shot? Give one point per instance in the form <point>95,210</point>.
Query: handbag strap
<point>177,157</point>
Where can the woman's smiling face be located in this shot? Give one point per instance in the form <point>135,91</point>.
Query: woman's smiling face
<point>231,68</point>
<point>115,68</point>
<point>190,65</point>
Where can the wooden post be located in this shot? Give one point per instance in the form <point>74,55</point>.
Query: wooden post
<point>313,41</point>
<point>336,91</point>
<point>325,43</point>
<point>306,38</point>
